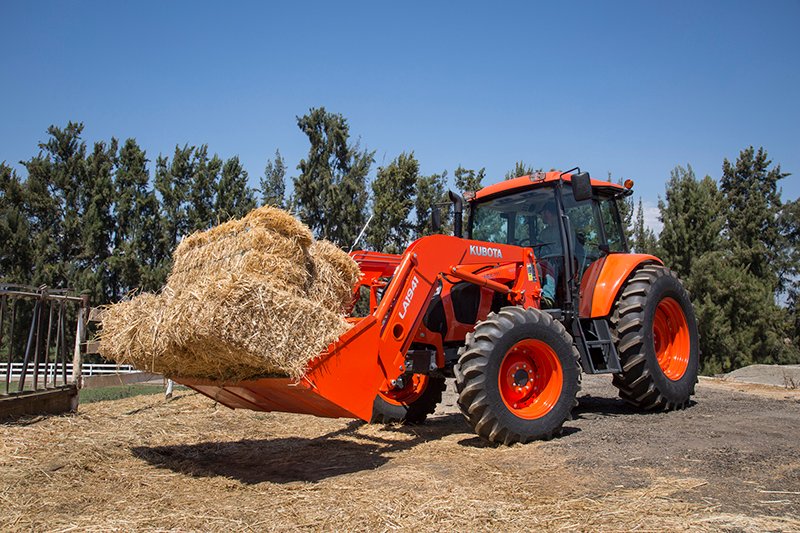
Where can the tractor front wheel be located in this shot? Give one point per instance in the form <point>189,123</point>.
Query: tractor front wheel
<point>517,376</point>
<point>656,334</point>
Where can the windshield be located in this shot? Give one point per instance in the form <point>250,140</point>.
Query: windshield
<point>515,219</point>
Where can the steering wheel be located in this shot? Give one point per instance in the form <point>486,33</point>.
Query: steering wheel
<point>538,244</point>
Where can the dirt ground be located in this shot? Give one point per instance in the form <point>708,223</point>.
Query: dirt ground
<point>731,462</point>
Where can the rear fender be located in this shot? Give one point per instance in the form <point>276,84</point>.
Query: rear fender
<point>603,280</point>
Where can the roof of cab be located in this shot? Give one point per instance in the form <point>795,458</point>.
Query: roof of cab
<point>532,181</point>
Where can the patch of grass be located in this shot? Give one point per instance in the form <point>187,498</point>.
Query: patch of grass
<point>14,385</point>
<point>120,391</point>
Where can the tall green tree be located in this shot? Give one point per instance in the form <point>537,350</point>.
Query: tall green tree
<point>759,246</point>
<point>350,199</point>
<point>96,197</point>
<point>273,183</point>
<point>790,269</point>
<point>135,262</point>
<point>753,204</point>
<point>693,217</point>
<point>234,199</point>
<point>644,239</point>
<point>330,194</point>
<point>739,322</point>
<point>55,177</point>
<point>16,261</point>
<point>469,180</point>
<point>203,186</point>
<point>173,181</point>
<point>393,199</point>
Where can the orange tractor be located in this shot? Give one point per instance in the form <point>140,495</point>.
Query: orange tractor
<point>541,288</point>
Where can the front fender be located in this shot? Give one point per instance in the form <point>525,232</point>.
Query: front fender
<point>603,280</point>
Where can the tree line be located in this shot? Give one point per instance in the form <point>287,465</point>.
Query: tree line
<point>105,219</point>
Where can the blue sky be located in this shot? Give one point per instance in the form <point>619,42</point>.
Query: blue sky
<point>631,88</point>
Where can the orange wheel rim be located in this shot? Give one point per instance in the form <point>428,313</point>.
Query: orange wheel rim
<point>530,379</point>
<point>671,339</point>
<point>412,390</point>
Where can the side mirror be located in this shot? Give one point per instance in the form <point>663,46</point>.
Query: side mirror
<point>581,186</point>
<point>436,219</point>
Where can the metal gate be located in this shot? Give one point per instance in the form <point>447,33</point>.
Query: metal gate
<point>42,331</point>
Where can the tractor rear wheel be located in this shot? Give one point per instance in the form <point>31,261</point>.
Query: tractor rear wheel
<point>517,376</point>
<point>656,335</point>
<point>410,405</point>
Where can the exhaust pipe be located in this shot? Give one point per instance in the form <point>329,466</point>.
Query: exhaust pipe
<point>458,209</point>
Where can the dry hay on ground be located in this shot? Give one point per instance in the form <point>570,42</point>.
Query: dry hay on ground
<point>143,464</point>
<point>251,297</point>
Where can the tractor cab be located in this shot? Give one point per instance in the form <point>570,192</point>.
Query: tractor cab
<point>543,212</point>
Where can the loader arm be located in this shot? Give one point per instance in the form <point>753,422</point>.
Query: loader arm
<point>344,380</point>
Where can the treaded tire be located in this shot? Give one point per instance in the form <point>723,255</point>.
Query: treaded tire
<point>643,382</point>
<point>416,412</point>
<point>478,375</point>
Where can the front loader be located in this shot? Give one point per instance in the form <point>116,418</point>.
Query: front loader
<point>540,288</point>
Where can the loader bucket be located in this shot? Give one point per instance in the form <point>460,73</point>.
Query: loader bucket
<point>340,383</point>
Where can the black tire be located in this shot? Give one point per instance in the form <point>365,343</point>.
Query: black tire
<point>643,382</point>
<point>478,375</point>
<point>384,412</point>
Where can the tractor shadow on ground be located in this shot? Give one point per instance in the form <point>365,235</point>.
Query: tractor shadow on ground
<point>593,407</point>
<point>296,459</point>
<point>345,451</point>
<point>478,442</point>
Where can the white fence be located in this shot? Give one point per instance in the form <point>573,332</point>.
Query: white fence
<point>87,369</point>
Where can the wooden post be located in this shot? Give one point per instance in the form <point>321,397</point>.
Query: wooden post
<point>80,338</point>
<point>76,355</point>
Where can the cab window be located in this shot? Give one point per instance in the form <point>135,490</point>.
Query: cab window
<point>515,219</point>
<point>611,223</point>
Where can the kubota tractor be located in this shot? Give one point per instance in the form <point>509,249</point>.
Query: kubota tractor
<point>541,288</point>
